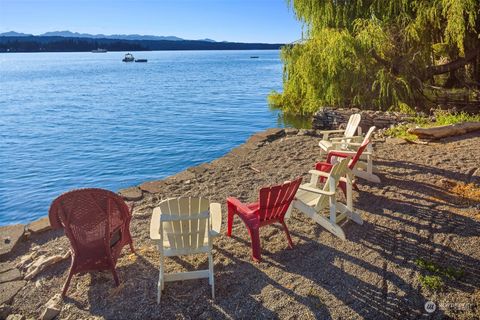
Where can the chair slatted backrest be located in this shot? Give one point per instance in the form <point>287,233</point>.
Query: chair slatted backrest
<point>88,216</point>
<point>275,200</point>
<point>185,222</point>
<point>352,125</point>
<point>338,170</point>
<point>365,142</point>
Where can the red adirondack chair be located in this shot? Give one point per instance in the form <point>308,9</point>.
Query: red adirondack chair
<point>327,166</point>
<point>272,206</point>
<point>96,222</point>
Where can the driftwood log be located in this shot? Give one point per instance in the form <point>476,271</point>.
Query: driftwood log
<point>445,131</point>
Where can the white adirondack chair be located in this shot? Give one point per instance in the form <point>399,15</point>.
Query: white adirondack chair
<point>349,132</point>
<point>311,200</point>
<point>184,226</point>
<point>364,167</point>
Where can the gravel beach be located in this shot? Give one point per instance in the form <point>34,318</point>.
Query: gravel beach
<point>413,215</point>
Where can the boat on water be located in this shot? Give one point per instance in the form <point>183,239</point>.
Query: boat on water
<point>141,60</point>
<point>99,50</point>
<point>253,57</point>
<point>128,58</point>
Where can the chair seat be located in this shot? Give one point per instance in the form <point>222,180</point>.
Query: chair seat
<point>309,198</point>
<point>325,145</point>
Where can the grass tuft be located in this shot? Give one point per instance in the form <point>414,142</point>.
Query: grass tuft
<point>442,118</point>
<point>433,279</point>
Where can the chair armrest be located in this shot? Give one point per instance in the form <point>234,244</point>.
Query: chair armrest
<point>318,191</point>
<point>155,224</point>
<point>216,216</point>
<point>340,154</point>
<point>213,233</point>
<point>331,131</point>
<point>240,206</point>
<point>319,173</point>
<point>326,133</point>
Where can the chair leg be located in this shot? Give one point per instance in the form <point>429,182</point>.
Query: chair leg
<point>231,212</point>
<point>115,276</point>
<point>211,279</point>
<point>67,283</point>
<point>290,243</point>
<point>256,250</point>
<point>160,280</point>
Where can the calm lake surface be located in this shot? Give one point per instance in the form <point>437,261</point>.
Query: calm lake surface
<point>72,120</point>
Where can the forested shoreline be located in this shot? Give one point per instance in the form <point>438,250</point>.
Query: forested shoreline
<point>64,44</point>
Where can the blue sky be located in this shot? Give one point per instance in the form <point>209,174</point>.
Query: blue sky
<point>269,21</point>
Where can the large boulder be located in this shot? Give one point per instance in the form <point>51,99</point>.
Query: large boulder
<point>9,237</point>
<point>9,289</point>
<point>153,186</point>
<point>131,194</point>
<point>40,225</point>
<point>10,275</point>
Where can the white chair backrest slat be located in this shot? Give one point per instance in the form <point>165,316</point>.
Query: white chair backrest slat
<point>185,223</point>
<point>352,125</point>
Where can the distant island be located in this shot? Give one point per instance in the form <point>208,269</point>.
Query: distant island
<point>67,41</point>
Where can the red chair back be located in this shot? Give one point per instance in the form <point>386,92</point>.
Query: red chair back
<point>96,222</point>
<point>275,200</point>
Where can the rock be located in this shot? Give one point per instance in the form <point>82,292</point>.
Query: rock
<point>5,311</point>
<point>9,289</point>
<point>131,194</point>
<point>6,266</point>
<point>40,225</point>
<point>9,237</point>
<point>16,317</point>
<point>153,186</point>
<point>52,307</point>
<point>13,274</point>
<point>42,262</point>
<point>291,131</point>
<point>306,132</point>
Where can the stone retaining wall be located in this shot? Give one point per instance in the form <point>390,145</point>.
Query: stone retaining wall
<point>330,119</point>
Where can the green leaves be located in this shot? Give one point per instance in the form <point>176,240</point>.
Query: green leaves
<point>372,53</point>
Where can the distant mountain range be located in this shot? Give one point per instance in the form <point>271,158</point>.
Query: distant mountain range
<point>69,34</point>
<point>67,41</point>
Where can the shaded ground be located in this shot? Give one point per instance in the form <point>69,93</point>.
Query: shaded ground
<point>374,274</point>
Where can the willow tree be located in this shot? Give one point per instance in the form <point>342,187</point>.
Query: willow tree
<point>378,53</point>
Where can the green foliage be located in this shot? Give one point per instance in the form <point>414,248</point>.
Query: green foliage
<point>372,54</point>
<point>400,131</point>
<point>433,279</point>
<point>445,118</point>
<point>433,283</point>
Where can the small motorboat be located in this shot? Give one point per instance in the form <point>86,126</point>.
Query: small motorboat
<point>253,57</point>
<point>141,60</point>
<point>128,58</point>
<point>99,50</point>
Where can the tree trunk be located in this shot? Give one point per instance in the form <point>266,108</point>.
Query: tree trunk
<point>445,131</point>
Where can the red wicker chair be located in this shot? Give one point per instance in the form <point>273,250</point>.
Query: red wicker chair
<point>96,222</point>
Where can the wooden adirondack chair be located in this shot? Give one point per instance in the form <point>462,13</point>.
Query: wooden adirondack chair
<point>361,163</point>
<point>97,223</point>
<point>185,226</point>
<point>312,200</point>
<point>271,208</point>
<point>352,126</point>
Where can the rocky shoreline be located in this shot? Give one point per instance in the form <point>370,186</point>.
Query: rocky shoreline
<point>372,274</point>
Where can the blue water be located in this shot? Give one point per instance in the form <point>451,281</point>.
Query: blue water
<point>71,120</point>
